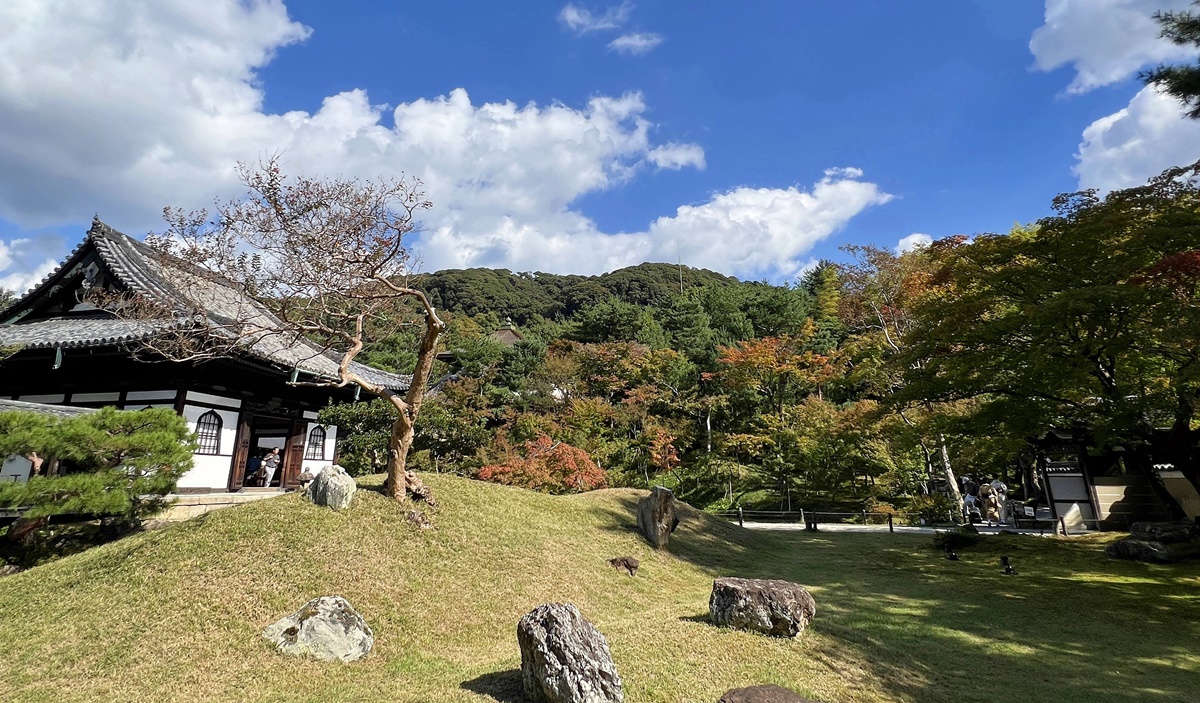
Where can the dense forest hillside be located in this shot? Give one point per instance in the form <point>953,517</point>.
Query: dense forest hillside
<point>523,297</point>
<point>876,383</point>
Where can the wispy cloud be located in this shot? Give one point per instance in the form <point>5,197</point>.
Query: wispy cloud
<point>675,156</point>
<point>635,43</point>
<point>581,20</point>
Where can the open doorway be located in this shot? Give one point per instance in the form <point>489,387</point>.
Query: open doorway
<point>268,435</point>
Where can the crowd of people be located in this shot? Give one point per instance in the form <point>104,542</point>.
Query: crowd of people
<point>985,501</point>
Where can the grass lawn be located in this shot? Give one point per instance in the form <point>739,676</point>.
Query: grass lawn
<point>175,615</point>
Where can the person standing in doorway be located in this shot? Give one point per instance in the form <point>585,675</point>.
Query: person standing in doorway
<point>270,464</point>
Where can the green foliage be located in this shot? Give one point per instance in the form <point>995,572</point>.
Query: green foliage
<point>112,462</point>
<point>525,298</point>
<point>1087,320</point>
<point>613,320</point>
<point>933,508</point>
<point>364,430</point>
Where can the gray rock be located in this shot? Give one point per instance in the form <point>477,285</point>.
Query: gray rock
<point>778,608</point>
<point>1140,550</point>
<point>627,564</point>
<point>10,570</point>
<point>1165,532</point>
<point>565,659</point>
<point>332,487</point>
<point>765,693</point>
<point>656,516</point>
<point>326,628</point>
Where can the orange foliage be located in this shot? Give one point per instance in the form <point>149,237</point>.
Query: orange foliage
<point>545,465</point>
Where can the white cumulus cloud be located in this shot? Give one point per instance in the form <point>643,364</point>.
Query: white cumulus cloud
<point>635,42</point>
<point>1105,40</point>
<point>121,107</point>
<point>1131,145</point>
<point>914,241</point>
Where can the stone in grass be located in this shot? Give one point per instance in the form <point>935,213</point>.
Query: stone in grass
<point>326,628</point>
<point>1165,532</point>
<point>332,487</point>
<point>777,608</point>
<point>765,693</point>
<point>656,516</point>
<point>1140,550</point>
<point>565,659</point>
<point>627,564</point>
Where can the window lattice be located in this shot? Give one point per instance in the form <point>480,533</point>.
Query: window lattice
<point>208,433</point>
<point>316,444</point>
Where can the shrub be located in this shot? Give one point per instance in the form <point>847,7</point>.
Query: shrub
<point>545,465</point>
<point>958,538</point>
<point>932,508</point>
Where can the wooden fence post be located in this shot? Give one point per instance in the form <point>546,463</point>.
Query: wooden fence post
<point>891,528</point>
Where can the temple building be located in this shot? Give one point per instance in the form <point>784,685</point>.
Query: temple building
<point>240,404</point>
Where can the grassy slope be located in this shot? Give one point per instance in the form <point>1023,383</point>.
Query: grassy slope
<point>176,614</point>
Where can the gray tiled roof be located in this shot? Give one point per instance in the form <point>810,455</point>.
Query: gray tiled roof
<point>174,284</point>
<point>56,410</point>
<point>81,332</point>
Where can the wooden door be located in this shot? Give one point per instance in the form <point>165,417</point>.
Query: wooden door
<point>293,457</point>
<point>241,453</point>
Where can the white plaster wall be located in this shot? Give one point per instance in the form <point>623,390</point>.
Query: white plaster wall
<point>15,468</point>
<point>315,465</point>
<point>211,470</point>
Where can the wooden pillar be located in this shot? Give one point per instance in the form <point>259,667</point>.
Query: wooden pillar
<point>241,452</point>
<point>293,457</point>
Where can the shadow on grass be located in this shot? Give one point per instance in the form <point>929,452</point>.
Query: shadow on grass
<point>502,686</point>
<point>1073,626</point>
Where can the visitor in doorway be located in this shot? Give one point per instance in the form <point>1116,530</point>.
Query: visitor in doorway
<point>270,464</point>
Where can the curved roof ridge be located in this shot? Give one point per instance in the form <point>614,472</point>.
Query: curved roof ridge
<point>40,287</point>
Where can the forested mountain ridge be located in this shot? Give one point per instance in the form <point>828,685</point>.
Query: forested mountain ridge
<point>874,383</point>
<point>523,297</point>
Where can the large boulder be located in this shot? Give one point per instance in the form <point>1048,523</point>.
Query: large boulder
<point>565,659</point>
<point>332,487</point>
<point>326,628</point>
<point>656,516</point>
<point>1140,550</point>
<point>765,693</point>
<point>778,608</point>
<point>1165,532</point>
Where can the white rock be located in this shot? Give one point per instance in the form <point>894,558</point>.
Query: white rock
<point>333,487</point>
<point>326,628</point>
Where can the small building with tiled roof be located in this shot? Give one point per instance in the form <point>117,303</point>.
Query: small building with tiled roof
<point>240,404</point>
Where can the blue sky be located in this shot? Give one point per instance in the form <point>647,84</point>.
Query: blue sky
<point>753,137</point>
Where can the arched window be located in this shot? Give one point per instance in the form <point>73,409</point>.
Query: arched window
<point>208,433</point>
<point>316,444</point>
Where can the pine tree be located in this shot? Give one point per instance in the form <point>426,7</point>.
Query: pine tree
<point>1180,82</point>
